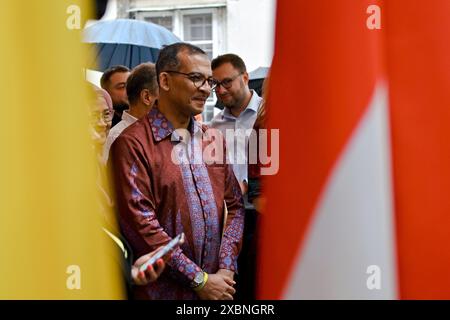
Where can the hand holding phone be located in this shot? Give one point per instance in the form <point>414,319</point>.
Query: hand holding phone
<point>175,242</point>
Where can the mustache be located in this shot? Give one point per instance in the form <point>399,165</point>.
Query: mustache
<point>204,97</point>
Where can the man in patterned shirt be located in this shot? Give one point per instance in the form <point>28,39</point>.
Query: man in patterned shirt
<point>159,197</point>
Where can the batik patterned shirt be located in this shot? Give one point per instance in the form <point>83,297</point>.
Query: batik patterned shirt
<point>159,197</point>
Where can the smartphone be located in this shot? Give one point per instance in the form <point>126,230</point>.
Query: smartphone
<point>175,242</point>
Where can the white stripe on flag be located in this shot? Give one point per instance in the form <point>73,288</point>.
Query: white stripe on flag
<point>352,227</point>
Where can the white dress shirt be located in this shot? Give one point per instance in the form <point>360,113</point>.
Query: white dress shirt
<point>244,122</point>
<point>127,120</point>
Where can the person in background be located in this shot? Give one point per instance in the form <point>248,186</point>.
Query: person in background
<point>238,116</point>
<point>241,106</point>
<point>101,115</point>
<point>114,82</point>
<point>142,91</point>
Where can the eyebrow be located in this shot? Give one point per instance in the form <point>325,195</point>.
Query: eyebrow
<point>198,73</point>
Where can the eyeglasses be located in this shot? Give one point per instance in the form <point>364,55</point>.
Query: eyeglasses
<point>106,115</point>
<point>197,79</point>
<point>227,82</point>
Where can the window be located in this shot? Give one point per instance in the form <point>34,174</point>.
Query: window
<point>165,21</point>
<point>197,29</point>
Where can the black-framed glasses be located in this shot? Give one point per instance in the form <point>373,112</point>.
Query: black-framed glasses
<point>197,79</point>
<point>227,82</point>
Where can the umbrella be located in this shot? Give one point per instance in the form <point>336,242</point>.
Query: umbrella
<point>125,42</point>
<point>256,79</point>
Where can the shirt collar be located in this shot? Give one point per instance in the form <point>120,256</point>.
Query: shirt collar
<point>254,103</point>
<point>128,117</point>
<point>162,128</point>
<point>253,106</point>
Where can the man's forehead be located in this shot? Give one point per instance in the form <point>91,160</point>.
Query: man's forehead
<point>225,70</point>
<point>119,77</point>
<point>195,63</point>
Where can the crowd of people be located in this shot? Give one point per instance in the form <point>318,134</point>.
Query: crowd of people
<point>147,134</point>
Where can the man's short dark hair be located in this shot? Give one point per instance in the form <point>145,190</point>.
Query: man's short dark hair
<point>104,80</point>
<point>141,77</point>
<point>168,56</point>
<point>231,58</point>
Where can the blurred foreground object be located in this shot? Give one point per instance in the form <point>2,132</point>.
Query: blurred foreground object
<point>359,208</point>
<point>53,246</point>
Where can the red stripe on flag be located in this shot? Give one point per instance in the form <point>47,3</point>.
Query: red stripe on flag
<point>323,76</point>
<point>418,49</point>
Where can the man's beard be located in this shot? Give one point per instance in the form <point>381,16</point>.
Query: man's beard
<point>120,108</point>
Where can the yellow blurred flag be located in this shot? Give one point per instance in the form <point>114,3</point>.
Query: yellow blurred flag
<point>52,245</point>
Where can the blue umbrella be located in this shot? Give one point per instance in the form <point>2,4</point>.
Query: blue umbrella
<point>126,42</point>
<point>257,78</point>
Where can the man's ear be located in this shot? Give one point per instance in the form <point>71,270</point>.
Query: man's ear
<point>152,99</point>
<point>245,77</point>
<point>145,97</point>
<point>164,81</point>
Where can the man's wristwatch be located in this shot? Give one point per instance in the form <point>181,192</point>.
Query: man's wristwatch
<point>198,279</point>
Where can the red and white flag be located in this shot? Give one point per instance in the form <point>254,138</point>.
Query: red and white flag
<point>360,207</point>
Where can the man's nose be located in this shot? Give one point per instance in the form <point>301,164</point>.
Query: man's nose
<point>220,89</point>
<point>205,88</point>
<point>102,123</point>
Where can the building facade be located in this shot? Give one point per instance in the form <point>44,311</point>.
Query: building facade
<point>244,27</point>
